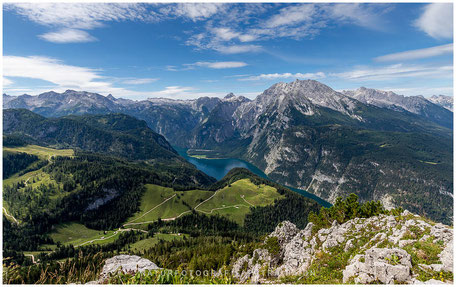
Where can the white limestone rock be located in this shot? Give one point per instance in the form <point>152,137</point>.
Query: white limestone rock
<point>127,263</point>
<point>385,265</point>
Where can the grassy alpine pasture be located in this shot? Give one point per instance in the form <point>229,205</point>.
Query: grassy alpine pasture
<point>37,177</point>
<point>165,203</point>
<point>42,152</point>
<point>149,242</point>
<point>31,180</point>
<point>77,234</point>
<point>233,201</point>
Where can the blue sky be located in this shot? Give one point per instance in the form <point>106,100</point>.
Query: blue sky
<point>189,50</point>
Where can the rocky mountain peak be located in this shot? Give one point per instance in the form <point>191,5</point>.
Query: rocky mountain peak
<point>413,104</point>
<point>110,96</point>
<point>301,93</point>
<point>444,101</point>
<point>49,94</point>
<point>230,95</point>
<point>300,86</point>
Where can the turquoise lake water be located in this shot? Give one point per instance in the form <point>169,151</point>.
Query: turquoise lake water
<point>218,168</point>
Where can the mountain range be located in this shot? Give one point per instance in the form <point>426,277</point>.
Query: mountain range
<point>379,145</point>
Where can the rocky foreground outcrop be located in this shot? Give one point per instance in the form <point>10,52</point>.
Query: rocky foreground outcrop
<point>381,249</point>
<point>125,264</point>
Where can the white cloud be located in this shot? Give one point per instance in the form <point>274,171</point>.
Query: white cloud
<point>61,75</point>
<point>193,11</point>
<point>318,75</point>
<point>417,54</point>
<point>68,36</point>
<point>71,18</point>
<point>140,81</point>
<point>437,20</point>
<point>226,34</point>
<point>7,82</point>
<point>179,92</point>
<point>206,64</point>
<point>86,79</point>
<point>292,15</point>
<point>81,15</point>
<point>231,27</point>
<point>171,68</point>
<point>236,49</point>
<point>219,65</point>
<point>355,13</point>
<point>48,69</point>
<point>395,71</point>
<point>228,26</point>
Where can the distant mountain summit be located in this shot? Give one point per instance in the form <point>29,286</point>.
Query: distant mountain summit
<point>415,104</point>
<point>444,101</point>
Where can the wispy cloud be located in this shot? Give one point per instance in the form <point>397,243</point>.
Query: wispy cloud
<point>292,15</point>
<point>236,49</point>
<point>65,77</point>
<point>417,54</point>
<point>68,36</point>
<point>318,75</point>
<point>368,16</point>
<point>7,82</point>
<point>437,20</point>
<point>140,81</point>
<point>294,21</point>
<point>49,69</point>
<point>192,11</point>
<point>81,15</point>
<point>179,92</point>
<point>394,72</point>
<point>207,64</point>
<point>71,18</point>
<point>227,26</point>
<point>218,65</point>
<point>61,75</point>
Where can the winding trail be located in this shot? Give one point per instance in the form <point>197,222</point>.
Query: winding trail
<point>167,219</point>
<point>176,217</point>
<point>225,207</point>
<point>10,216</point>
<point>215,193</point>
<point>25,182</point>
<point>243,197</point>
<point>114,234</point>
<point>131,222</point>
<point>33,258</point>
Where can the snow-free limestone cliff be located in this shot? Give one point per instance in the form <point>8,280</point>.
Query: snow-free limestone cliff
<point>383,249</point>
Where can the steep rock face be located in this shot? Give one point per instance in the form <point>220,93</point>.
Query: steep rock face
<point>334,145</point>
<point>306,135</point>
<point>385,249</point>
<point>444,101</point>
<point>218,127</point>
<point>417,104</point>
